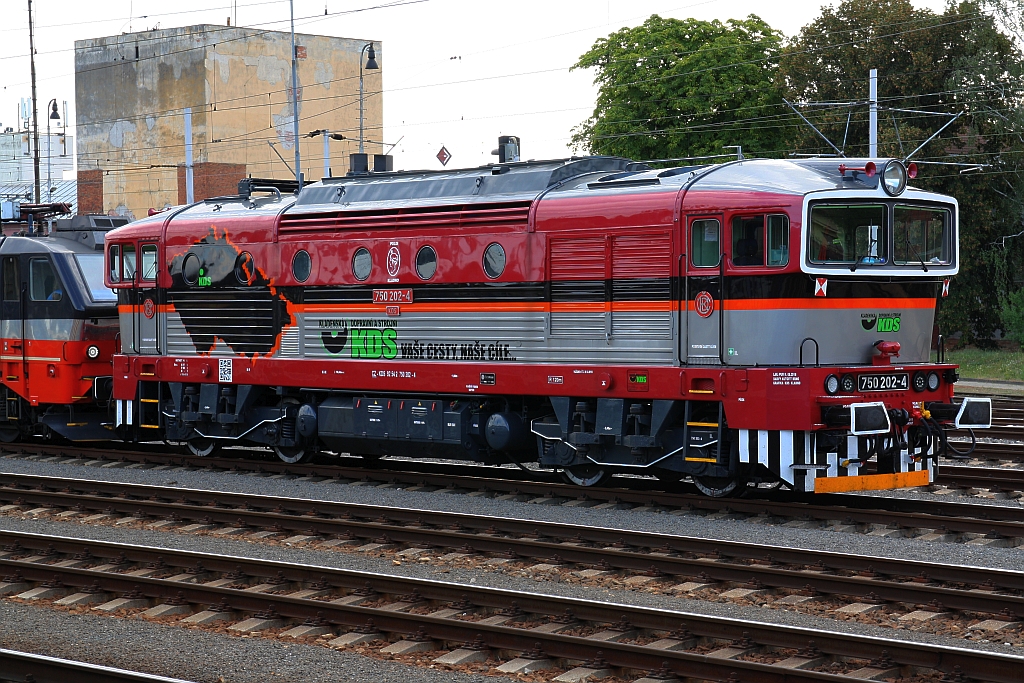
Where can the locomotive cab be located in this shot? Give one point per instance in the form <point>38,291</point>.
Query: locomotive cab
<point>59,332</point>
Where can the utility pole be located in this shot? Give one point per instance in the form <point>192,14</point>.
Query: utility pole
<point>295,104</point>
<point>873,114</point>
<point>190,194</point>
<point>35,109</point>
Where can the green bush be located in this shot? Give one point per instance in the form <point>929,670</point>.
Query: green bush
<point>1013,316</point>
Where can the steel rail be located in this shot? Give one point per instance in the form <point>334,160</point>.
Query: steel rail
<point>983,665</point>
<point>990,520</point>
<point>991,478</point>
<point>665,554</point>
<point>26,666</point>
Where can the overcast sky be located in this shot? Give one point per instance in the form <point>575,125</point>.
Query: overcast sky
<point>457,73</point>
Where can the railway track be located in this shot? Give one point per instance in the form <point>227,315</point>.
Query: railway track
<point>23,666</point>
<point>706,563</point>
<point>979,523</point>
<point>530,630</point>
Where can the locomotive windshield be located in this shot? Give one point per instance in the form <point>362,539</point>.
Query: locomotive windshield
<point>866,235</point>
<point>848,234</point>
<point>91,267</point>
<point>920,235</point>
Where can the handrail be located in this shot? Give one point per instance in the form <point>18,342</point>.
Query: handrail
<point>267,188</point>
<point>817,357</point>
<point>721,306</point>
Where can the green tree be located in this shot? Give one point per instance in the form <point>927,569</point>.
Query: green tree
<point>683,88</point>
<point>960,61</point>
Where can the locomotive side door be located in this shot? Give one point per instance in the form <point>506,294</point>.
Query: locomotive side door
<point>702,289</point>
<point>14,359</point>
<point>147,323</point>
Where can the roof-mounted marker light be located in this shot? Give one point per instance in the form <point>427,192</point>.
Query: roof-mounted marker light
<point>912,170</point>
<point>867,169</point>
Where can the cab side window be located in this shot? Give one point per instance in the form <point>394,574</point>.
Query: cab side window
<point>12,283</point>
<point>778,240</point>
<point>705,247</point>
<point>43,282</point>
<point>760,240</point>
<point>148,262</point>
<point>748,241</point>
<point>115,263</point>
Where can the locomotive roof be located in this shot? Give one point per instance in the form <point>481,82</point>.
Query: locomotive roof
<point>576,176</point>
<point>71,242</point>
<point>501,182</point>
<point>525,182</point>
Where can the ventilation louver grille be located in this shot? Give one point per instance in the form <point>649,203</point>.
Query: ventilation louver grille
<point>473,216</point>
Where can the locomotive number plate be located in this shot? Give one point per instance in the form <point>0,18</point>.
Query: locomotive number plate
<point>890,381</point>
<point>392,296</point>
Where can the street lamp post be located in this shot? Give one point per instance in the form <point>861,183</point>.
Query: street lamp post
<point>371,63</point>
<point>328,136</point>
<point>54,116</point>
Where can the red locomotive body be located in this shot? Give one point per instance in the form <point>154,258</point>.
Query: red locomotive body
<point>753,321</point>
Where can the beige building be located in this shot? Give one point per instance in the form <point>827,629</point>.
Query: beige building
<point>132,90</point>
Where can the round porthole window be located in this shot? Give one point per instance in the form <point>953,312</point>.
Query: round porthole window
<point>190,268</point>
<point>245,268</point>
<point>494,260</point>
<point>426,262</point>
<point>362,264</point>
<point>302,265</point>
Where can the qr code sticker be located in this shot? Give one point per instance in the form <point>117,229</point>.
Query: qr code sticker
<point>224,370</point>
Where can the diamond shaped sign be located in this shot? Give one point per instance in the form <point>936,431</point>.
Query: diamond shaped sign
<point>444,156</point>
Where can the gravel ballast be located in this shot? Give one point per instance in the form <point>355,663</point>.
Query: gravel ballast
<point>206,656</point>
<point>196,655</point>
<point>748,531</point>
<point>496,579</point>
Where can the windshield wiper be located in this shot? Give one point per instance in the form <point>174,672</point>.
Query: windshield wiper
<point>924,266</point>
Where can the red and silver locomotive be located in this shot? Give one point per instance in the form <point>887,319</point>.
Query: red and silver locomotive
<point>751,321</point>
<point>59,332</point>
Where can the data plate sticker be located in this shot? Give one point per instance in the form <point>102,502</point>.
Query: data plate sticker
<point>890,381</point>
<point>224,370</point>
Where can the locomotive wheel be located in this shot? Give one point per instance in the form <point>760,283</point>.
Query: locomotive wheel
<point>293,455</point>
<point>586,475</point>
<point>715,487</point>
<point>9,435</point>
<point>201,448</point>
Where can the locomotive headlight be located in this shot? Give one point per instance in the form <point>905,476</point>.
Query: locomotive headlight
<point>894,178</point>
<point>93,352</point>
<point>919,381</point>
<point>933,381</point>
<point>848,384</point>
<point>831,384</point>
